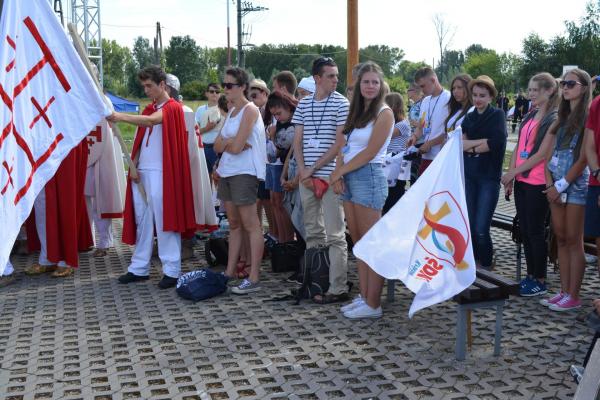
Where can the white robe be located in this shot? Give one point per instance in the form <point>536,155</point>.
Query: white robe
<point>203,203</point>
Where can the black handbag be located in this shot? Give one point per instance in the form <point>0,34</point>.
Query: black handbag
<point>285,257</point>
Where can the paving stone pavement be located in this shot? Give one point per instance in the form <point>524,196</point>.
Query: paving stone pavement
<point>88,337</point>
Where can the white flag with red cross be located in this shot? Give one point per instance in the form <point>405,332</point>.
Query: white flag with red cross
<point>425,240</point>
<point>48,104</point>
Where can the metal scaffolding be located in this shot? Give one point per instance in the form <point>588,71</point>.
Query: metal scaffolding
<point>85,14</point>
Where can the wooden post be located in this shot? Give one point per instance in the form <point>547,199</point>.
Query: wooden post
<point>352,45</point>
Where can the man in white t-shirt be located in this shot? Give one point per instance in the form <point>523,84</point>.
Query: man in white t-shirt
<point>434,111</point>
<point>208,118</point>
<point>319,120</point>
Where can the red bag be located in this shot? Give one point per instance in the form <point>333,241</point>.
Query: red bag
<point>320,187</point>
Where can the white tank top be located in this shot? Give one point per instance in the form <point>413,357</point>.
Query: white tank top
<point>252,161</point>
<point>359,138</point>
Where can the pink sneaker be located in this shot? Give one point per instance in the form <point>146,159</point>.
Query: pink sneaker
<point>566,304</point>
<point>553,300</point>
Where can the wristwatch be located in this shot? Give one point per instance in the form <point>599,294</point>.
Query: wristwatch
<point>595,173</point>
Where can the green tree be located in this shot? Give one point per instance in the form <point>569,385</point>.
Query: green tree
<point>485,63</point>
<point>115,60</point>
<point>142,57</point>
<point>388,58</point>
<point>535,58</point>
<point>183,59</point>
<point>407,69</point>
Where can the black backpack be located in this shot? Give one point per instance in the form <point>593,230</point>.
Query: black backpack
<point>314,273</point>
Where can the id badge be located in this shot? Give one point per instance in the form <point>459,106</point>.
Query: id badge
<point>554,162</point>
<point>427,131</point>
<point>345,149</point>
<point>314,143</point>
<point>524,155</point>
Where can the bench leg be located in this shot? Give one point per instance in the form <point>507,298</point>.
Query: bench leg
<point>498,331</point>
<point>461,333</point>
<point>519,262</point>
<point>391,286</point>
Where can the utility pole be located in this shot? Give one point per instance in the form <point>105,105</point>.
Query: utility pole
<point>352,57</point>
<point>158,45</point>
<point>242,10</point>
<point>228,41</point>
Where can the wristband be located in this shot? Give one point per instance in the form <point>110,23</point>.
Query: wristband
<point>561,185</point>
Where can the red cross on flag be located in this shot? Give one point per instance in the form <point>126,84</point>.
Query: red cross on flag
<point>48,104</point>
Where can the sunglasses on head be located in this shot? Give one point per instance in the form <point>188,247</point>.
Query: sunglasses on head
<point>570,84</point>
<point>228,85</point>
<point>322,61</point>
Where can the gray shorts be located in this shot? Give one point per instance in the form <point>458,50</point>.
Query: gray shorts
<point>241,190</point>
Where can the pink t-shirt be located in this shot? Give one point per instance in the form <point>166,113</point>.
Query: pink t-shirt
<point>526,143</point>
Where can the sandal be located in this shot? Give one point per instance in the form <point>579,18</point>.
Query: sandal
<point>100,253</point>
<point>63,272</point>
<point>329,298</point>
<point>37,269</point>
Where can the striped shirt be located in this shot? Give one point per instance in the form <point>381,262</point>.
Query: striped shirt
<point>320,120</point>
<point>398,143</point>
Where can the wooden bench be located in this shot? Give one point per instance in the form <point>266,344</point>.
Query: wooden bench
<point>489,290</point>
<point>589,387</point>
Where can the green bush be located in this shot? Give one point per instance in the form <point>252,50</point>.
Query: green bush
<point>193,90</point>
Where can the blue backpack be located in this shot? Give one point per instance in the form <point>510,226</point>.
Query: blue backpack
<point>201,284</point>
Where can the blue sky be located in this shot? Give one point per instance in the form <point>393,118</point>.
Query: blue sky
<point>408,25</point>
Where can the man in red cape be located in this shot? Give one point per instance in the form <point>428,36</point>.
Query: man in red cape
<point>165,206</point>
<point>59,226</point>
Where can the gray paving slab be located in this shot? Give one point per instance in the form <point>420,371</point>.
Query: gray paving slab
<point>88,337</point>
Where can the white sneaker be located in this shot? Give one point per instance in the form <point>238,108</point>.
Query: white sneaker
<point>364,311</point>
<point>358,300</point>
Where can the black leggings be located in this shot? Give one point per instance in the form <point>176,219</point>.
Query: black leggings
<point>532,209</point>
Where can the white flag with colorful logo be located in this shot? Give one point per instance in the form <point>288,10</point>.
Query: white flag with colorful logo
<point>425,240</point>
<point>48,104</point>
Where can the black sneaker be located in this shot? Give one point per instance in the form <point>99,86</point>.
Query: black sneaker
<point>167,282</point>
<point>129,278</point>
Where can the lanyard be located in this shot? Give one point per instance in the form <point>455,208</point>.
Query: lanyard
<point>531,127</point>
<point>312,110</point>
<point>430,113</point>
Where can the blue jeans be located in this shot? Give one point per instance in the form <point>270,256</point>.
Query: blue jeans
<point>482,197</point>
<point>211,157</point>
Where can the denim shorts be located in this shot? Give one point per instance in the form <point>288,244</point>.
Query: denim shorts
<point>592,213</point>
<point>366,186</point>
<point>273,178</point>
<point>577,190</point>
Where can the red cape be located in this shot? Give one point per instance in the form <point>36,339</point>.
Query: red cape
<point>178,200</point>
<point>68,228</point>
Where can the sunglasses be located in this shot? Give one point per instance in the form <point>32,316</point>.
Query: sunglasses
<point>228,85</point>
<point>213,91</point>
<point>570,84</point>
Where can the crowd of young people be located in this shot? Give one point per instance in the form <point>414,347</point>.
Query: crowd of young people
<point>313,160</point>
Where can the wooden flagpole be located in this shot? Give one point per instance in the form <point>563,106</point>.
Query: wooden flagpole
<point>77,42</point>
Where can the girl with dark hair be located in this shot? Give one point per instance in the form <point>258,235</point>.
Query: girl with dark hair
<point>360,179</point>
<point>527,172</point>
<point>460,101</point>
<point>242,142</point>
<point>281,107</point>
<point>566,186</point>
